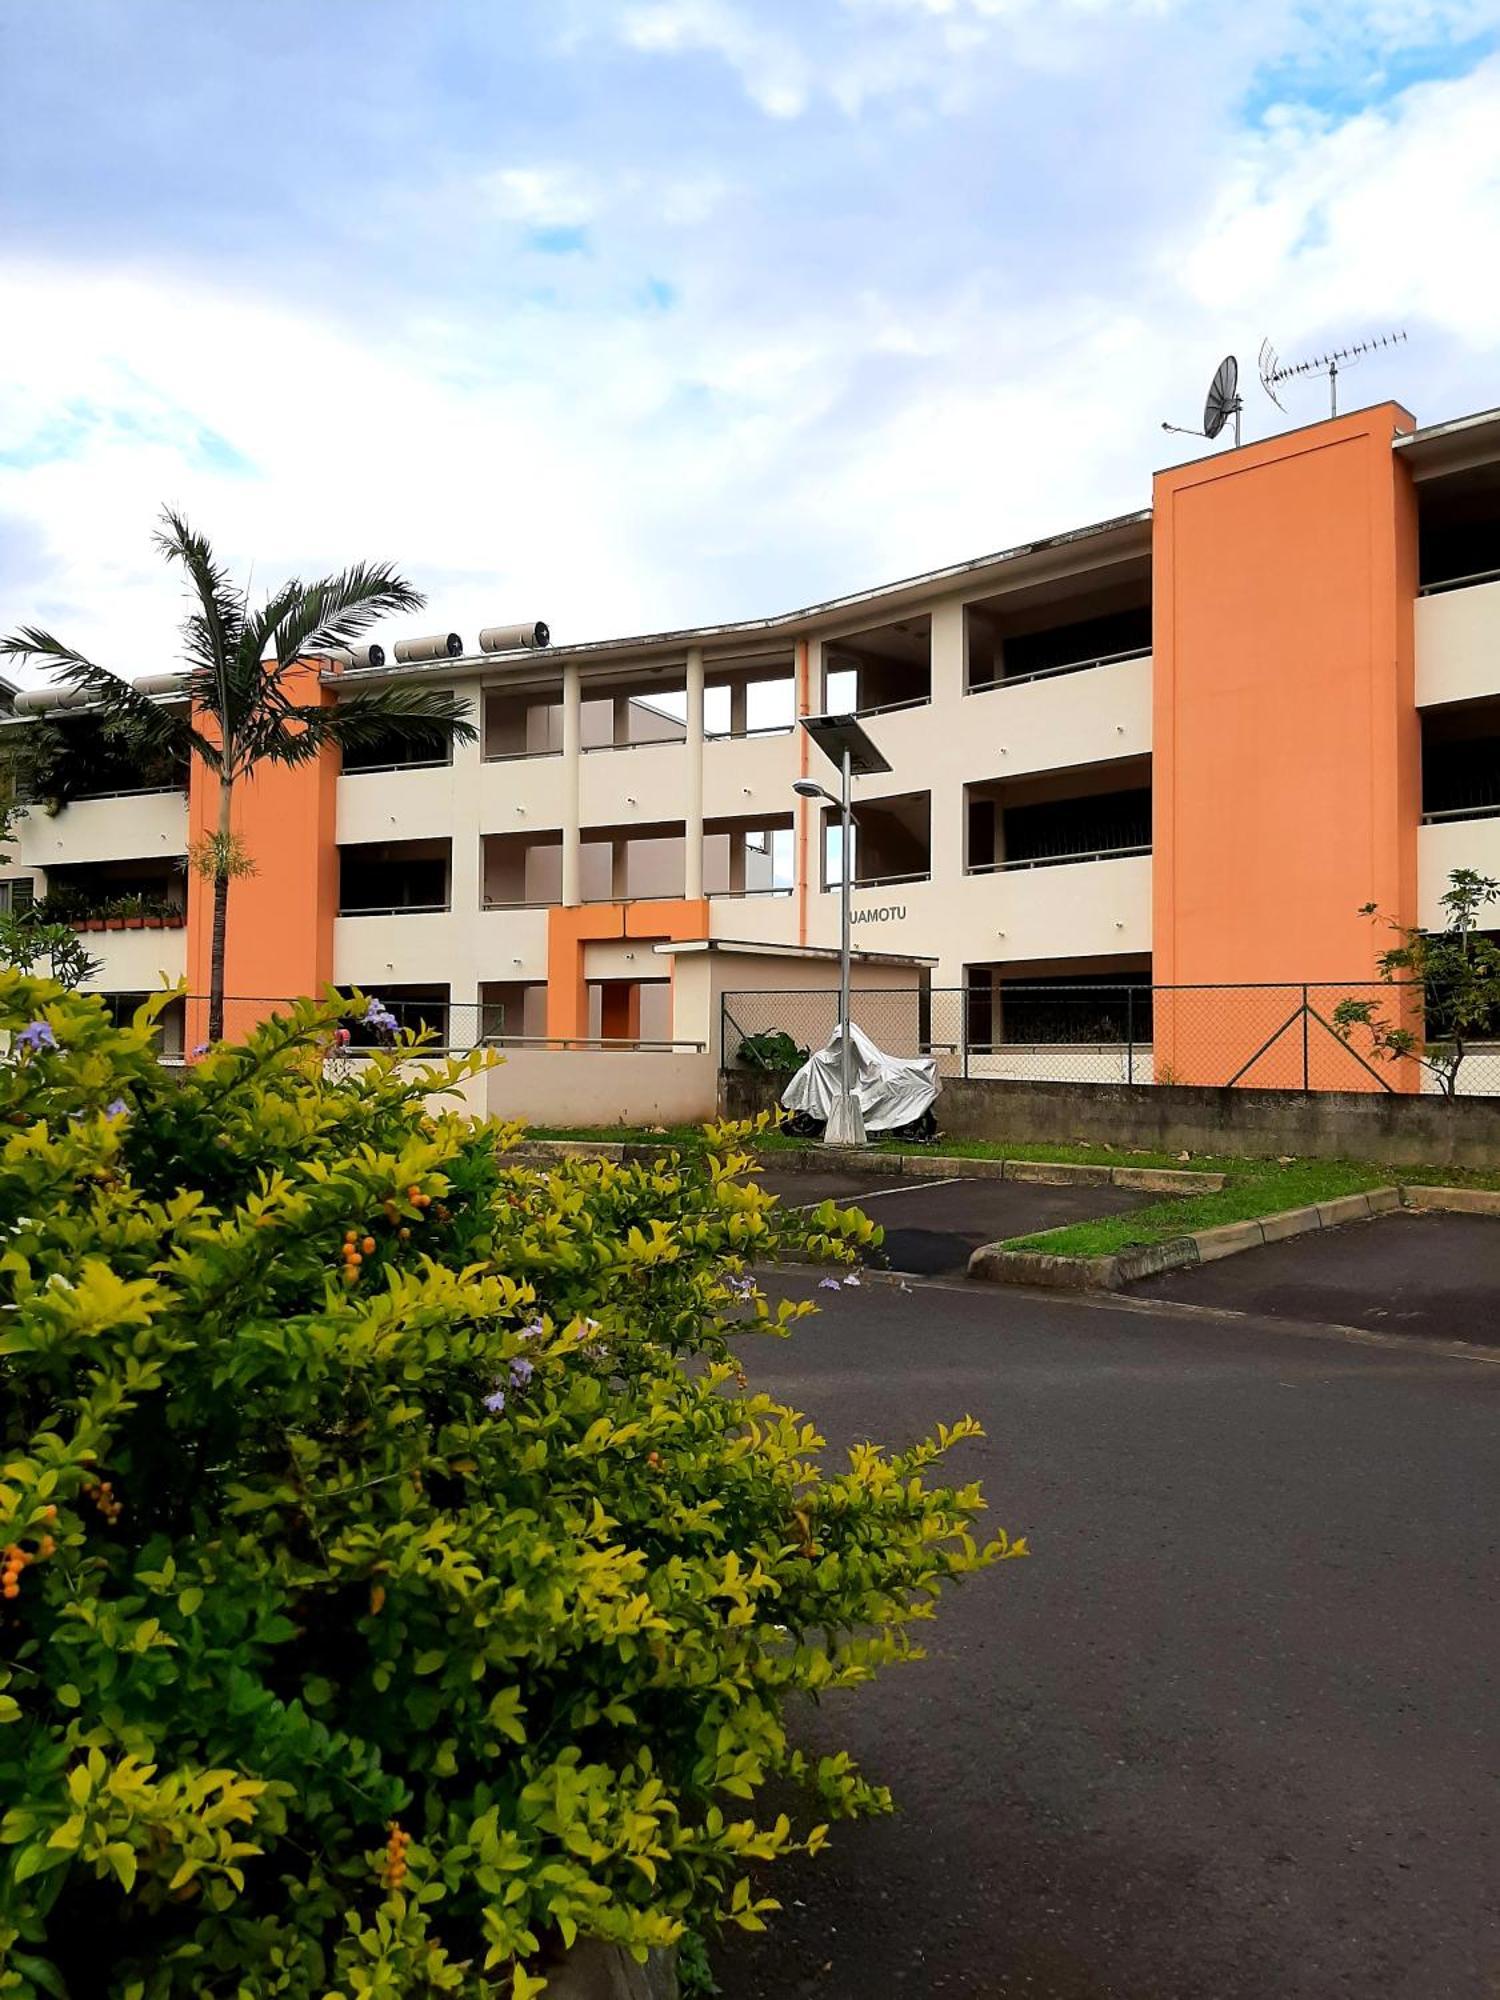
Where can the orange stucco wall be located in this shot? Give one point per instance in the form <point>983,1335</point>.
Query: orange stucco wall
<point>1286,747</point>
<point>570,928</point>
<point>280,933</point>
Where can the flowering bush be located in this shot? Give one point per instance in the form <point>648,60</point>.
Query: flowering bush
<point>400,1576</point>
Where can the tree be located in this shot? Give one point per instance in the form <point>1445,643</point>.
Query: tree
<point>242,699</point>
<point>1456,976</point>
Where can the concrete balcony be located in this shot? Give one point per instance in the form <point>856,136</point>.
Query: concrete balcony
<point>1449,844</point>
<point>1458,644</point>
<point>749,774</point>
<point>404,949</point>
<point>1070,909</point>
<point>418,802</point>
<point>129,826</point>
<point>136,961</point>
<point>1051,723</point>
<point>637,782</point>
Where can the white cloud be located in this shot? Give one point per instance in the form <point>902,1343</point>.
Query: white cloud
<point>775,73</point>
<point>555,197</point>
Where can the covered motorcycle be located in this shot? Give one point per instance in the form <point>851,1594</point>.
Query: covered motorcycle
<point>895,1094</point>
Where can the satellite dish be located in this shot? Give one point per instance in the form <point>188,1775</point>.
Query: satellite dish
<point>1221,403</point>
<point>1223,400</point>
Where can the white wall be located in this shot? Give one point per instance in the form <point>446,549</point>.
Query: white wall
<point>1458,644</point>
<point>603,1087</point>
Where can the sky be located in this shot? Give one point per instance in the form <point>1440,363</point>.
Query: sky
<point>632,314</point>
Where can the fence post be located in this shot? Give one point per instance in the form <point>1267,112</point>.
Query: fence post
<point>963,1027</point>
<point>1130,1034</point>
<point>1306,1085</point>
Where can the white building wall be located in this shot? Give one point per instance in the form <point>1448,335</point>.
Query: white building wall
<point>1458,644</point>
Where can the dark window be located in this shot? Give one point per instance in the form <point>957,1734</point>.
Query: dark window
<point>1066,827</point>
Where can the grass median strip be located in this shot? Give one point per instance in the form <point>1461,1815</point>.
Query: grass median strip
<point>1258,1188</point>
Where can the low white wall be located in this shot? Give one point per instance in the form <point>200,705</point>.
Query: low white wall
<point>603,1087</point>
<point>1058,1062</point>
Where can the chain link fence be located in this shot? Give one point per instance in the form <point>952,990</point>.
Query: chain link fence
<point>1270,1037</point>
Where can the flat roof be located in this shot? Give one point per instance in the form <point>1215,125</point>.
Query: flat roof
<point>887,597</point>
<point>746,948</point>
<point>1451,447</point>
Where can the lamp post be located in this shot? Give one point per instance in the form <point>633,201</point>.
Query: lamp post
<point>842,740</point>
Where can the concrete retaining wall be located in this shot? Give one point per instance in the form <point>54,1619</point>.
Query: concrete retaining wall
<point>1397,1129</point>
<point>602,1086</point>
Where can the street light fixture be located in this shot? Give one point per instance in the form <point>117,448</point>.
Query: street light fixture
<point>844,743</point>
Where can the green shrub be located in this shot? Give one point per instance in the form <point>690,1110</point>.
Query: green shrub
<point>774,1049</point>
<point>400,1576</point>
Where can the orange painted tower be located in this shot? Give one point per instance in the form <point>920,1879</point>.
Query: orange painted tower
<point>1286,748</point>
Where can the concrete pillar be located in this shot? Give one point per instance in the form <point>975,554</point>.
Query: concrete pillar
<point>466,883</point>
<point>738,707</point>
<point>736,863</point>
<point>572,855</point>
<point>692,832</point>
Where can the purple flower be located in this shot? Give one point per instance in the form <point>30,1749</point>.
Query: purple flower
<point>119,1109</point>
<point>495,1402</point>
<point>852,1279</point>
<point>743,1288</point>
<point>202,1049</point>
<point>521,1372</point>
<point>829,1285</point>
<point>35,1037</point>
<point>532,1330</point>
<point>380,1017</point>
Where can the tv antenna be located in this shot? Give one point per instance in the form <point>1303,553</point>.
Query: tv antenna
<point>1221,403</point>
<point>1274,371</point>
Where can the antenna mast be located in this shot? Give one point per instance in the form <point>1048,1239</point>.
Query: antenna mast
<point>1273,371</point>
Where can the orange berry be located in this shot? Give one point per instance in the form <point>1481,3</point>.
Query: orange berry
<point>367,1245</point>
<point>349,1275</point>
<point>405,1235</point>
<point>47,1545</point>
<point>422,1200</point>
<point>377,1598</point>
<point>413,1193</point>
<point>49,1513</point>
<point>350,1234</point>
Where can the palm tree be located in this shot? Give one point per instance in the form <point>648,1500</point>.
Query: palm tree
<point>241,693</point>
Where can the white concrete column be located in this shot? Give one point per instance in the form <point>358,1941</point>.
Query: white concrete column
<point>692,832</point>
<point>466,866</point>
<point>572,841</point>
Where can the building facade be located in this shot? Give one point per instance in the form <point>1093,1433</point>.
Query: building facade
<point>1176,750</point>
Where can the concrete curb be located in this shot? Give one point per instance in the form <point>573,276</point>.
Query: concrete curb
<point>1461,1201</point>
<point>896,1166</point>
<point>996,1265</point>
<point>959,1166</point>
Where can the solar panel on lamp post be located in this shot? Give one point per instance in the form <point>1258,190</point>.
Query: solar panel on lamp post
<point>845,744</point>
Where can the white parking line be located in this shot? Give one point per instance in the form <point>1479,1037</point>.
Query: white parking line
<point>875,1194</point>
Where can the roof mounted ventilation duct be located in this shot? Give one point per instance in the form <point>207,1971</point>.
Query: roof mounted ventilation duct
<point>514,638</point>
<point>440,646</point>
<point>358,656</point>
<point>159,683</point>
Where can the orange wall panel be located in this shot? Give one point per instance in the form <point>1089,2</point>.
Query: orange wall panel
<point>571,926</point>
<point>1286,746</point>
<point>280,929</point>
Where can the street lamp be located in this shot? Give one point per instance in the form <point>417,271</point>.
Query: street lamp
<point>845,744</point>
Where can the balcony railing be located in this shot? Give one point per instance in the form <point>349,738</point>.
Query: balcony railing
<point>745,735</point>
<point>880,881</point>
<point>395,910</point>
<point>517,756</point>
<point>1459,582</point>
<point>739,895</point>
<point>1460,812</point>
<point>1052,673</point>
<point>401,764</point>
<point>1056,860</point>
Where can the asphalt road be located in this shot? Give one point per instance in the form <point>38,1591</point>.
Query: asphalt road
<point>1428,1273</point>
<point>1231,1732</point>
<point>933,1227</point>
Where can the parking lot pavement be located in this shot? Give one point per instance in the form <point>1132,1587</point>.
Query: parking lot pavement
<point>1230,1733</point>
<point>1407,1272</point>
<point>932,1227</point>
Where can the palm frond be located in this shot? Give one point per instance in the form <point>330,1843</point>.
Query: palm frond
<point>333,612</point>
<point>426,716</point>
<point>132,716</point>
<point>213,632</point>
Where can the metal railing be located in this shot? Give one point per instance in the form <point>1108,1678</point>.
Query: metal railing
<point>397,910</point>
<point>1270,1036</point>
<point>879,881</point>
<point>1460,812</point>
<point>1052,673</point>
<point>397,764</point>
<point>1459,582</point>
<point>1056,860</point>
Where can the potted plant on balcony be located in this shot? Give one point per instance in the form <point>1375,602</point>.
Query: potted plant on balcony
<point>114,913</point>
<point>133,910</point>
